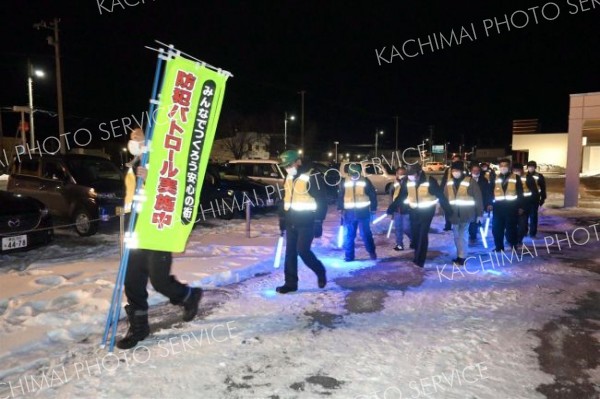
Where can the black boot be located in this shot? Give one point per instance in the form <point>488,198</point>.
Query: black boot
<point>190,305</point>
<point>322,280</point>
<point>138,328</point>
<point>284,289</point>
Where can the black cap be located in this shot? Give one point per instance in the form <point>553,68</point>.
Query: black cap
<point>532,163</point>
<point>457,165</point>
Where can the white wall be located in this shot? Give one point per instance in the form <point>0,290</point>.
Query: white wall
<point>549,148</point>
<point>591,158</point>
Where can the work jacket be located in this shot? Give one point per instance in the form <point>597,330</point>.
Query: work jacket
<point>304,200</point>
<point>357,198</point>
<point>464,197</point>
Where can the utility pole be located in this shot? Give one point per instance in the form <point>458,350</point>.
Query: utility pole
<point>54,41</point>
<point>301,92</point>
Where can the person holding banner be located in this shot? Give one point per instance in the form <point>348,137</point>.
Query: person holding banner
<point>399,211</point>
<point>357,200</point>
<point>464,196</point>
<point>147,264</point>
<point>302,215</point>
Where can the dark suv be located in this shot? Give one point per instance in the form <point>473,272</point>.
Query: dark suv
<point>81,189</point>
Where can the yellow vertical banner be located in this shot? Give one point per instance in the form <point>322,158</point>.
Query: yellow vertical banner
<point>179,150</point>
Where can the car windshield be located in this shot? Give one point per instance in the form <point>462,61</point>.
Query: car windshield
<point>89,170</point>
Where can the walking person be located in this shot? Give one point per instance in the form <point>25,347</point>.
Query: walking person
<point>464,196</point>
<point>423,195</point>
<point>399,211</point>
<point>357,200</point>
<point>147,264</point>
<point>507,198</point>
<point>529,188</point>
<point>538,197</point>
<point>486,197</point>
<point>445,178</point>
<point>304,209</point>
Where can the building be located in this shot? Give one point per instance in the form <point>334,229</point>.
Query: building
<point>244,145</point>
<point>544,148</point>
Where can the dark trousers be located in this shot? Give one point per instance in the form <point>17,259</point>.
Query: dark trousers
<point>474,229</point>
<point>522,227</point>
<point>298,241</point>
<point>533,218</point>
<point>420,222</point>
<point>504,224</point>
<point>365,233</point>
<point>147,264</point>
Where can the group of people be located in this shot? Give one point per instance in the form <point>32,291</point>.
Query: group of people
<point>464,194</point>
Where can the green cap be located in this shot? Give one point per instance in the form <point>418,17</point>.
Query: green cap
<point>288,157</point>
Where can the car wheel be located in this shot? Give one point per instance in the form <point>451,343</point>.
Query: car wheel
<point>226,213</point>
<point>389,189</point>
<point>84,223</point>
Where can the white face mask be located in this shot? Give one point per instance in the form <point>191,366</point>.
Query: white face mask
<point>456,175</point>
<point>135,148</point>
<point>504,170</point>
<point>291,171</point>
<point>412,177</point>
<point>484,168</point>
<point>531,169</point>
<point>475,175</point>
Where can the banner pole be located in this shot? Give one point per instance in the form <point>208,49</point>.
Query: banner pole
<point>115,307</point>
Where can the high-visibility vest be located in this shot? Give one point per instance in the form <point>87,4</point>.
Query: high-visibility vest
<point>296,195</point>
<point>419,197</point>
<point>536,177</point>
<point>354,194</point>
<point>461,197</point>
<point>130,183</point>
<point>526,191</point>
<point>396,193</point>
<point>511,189</point>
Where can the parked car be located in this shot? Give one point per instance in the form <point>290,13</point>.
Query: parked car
<point>380,175</point>
<point>81,189</point>
<point>24,223</point>
<point>434,166</point>
<point>266,171</point>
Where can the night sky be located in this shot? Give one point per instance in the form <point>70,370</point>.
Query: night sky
<point>276,48</point>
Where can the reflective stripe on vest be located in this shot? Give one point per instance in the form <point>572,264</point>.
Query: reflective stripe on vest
<point>296,195</point>
<point>535,179</point>
<point>396,191</point>
<point>511,189</point>
<point>354,194</point>
<point>419,197</point>
<point>461,197</point>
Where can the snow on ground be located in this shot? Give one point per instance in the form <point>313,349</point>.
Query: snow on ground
<point>434,335</point>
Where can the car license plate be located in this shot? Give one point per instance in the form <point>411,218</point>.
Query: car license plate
<point>14,242</point>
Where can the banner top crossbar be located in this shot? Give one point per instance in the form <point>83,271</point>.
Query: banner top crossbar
<point>171,52</point>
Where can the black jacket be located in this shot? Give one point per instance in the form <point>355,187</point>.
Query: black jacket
<point>541,195</point>
<point>317,190</point>
<point>398,205</point>
<point>362,213</point>
<point>486,191</point>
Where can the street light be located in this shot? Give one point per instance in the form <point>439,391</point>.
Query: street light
<point>30,73</point>
<point>330,154</point>
<point>336,154</point>
<point>377,134</point>
<point>291,118</point>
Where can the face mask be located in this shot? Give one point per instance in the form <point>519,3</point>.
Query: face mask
<point>456,175</point>
<point>412,177</point>
<point>291,171</point>
<point>504,170</point>
<point>475,175</point>
<point>400,177</point>
<point>135,148</point>
<point>484,169</point>
<point>531,169</point>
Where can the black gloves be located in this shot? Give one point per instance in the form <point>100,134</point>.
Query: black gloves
<point>318,228</point>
